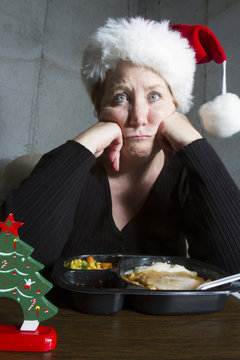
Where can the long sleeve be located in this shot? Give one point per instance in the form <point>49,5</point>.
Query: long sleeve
<point>47,200</point>
<point>66,208</point>
<point>211,211</point>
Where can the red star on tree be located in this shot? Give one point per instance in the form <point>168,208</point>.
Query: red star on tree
<point>10,225</point>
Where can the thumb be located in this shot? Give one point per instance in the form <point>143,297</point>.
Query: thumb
<point>113,153</point>
<point>165,146</point>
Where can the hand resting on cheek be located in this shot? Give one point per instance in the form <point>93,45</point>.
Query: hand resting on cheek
<point>175,132</point>
<point>103,136</point>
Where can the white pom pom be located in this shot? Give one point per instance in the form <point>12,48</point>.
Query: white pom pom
<point>221,117</point>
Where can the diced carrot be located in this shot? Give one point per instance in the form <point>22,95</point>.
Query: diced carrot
<point>90,260</point>
<point>105,265</point>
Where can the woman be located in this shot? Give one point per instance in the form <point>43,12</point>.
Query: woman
<point>142,180</point>
<point>137,118</point>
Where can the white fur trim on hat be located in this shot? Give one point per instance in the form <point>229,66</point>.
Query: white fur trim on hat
<point>144,43</point>
<point>220,117</point>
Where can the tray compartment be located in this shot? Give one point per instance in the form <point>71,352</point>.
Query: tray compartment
<point>114,259</point>
<point>161,302</point>
<point>96,291</point>
<point>178,304</point>
<point>98,303</point>
<point>204,270</point>
<point>94,279</point>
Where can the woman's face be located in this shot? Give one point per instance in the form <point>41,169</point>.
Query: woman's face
<point>137,99</point>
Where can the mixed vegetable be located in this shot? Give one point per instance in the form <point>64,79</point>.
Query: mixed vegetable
<point>87,264</point>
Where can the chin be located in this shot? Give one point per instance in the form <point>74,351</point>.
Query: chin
<point>138,151</point>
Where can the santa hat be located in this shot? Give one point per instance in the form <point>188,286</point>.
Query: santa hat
<point>170,50</point>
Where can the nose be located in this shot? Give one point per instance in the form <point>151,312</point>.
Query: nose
<point>138,114</point>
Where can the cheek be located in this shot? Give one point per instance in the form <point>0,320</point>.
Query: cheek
<point>118,115</point>
<point>158,114</point>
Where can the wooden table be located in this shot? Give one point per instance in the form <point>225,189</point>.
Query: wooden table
<point>132,335</point>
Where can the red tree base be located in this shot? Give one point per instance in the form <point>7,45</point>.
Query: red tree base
<point>12,339</point>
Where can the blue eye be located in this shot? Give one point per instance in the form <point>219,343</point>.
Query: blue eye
<point>153,96</point>
<point>120,97</point>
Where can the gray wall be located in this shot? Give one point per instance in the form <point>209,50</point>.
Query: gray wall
<point>42,100</point>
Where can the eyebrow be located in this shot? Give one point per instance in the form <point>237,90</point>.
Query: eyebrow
<point>156,86</point>
<point>123,86</point>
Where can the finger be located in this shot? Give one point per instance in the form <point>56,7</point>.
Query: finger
<point>113,159</point>
<point>114,153</point>
<point>116,162</point>
<point>166,147</point>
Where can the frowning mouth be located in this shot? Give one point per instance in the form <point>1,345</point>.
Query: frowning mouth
<point>138,137</point>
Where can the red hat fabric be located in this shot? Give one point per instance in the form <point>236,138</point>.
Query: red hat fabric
<point>220,117</point>
<point>203,41</point>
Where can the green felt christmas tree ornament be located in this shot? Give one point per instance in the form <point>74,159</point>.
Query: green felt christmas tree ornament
<point>20,279</point>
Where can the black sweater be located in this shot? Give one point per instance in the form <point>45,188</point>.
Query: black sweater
<point>66,208</point>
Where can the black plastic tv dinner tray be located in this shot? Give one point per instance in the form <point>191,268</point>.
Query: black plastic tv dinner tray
<point>104,291</point>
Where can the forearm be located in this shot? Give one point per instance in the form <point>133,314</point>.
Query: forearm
<point>46,201</point>
<point>212,211</point>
